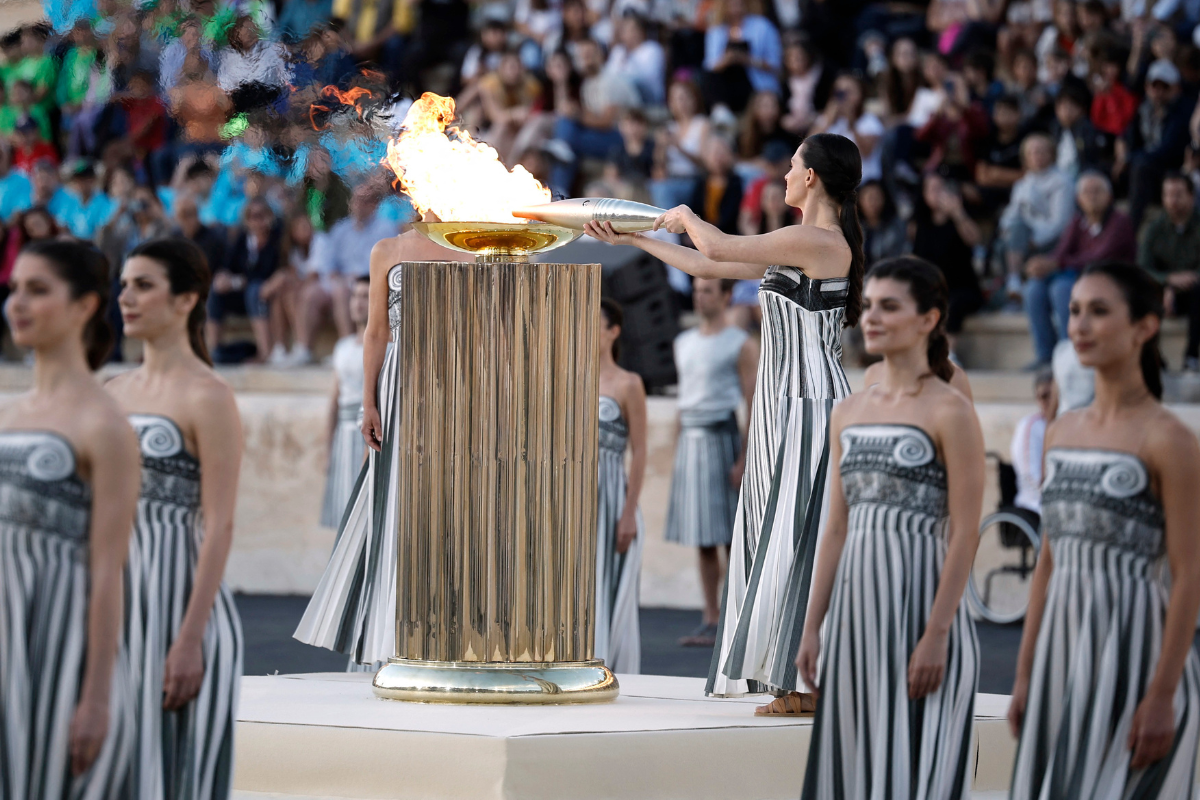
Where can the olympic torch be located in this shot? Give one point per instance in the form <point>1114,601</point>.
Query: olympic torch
<point>626,216</point>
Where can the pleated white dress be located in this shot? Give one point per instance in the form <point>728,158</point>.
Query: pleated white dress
<point>618,632</point>
<point>186,754</point>
<point>353,609</point>
<point>782,502</point>
<point>346,449</point>
<point>869,740</point>
<point>45,518</point>
<point>1101,638</point>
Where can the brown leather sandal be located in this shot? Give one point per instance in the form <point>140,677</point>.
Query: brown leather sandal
<point>792,704</point>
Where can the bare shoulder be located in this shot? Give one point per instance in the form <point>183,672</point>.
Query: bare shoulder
<point>632,386</point>
<point>103,429</point>
<point>848,409</point>
<point>950,406</point>
<point>208,398</point>
<point>1170,444</point>
<point>386,253</point>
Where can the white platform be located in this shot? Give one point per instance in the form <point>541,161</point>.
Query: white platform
<point>327,736</point>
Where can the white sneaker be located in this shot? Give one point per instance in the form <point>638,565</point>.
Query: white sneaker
<point>279,356</point>
<point>301,356</point>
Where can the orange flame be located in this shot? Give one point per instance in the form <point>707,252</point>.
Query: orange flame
<point>456,177</point>
<point>350,97</point>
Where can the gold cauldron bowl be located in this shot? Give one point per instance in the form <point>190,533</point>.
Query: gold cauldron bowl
<point>498,241</point>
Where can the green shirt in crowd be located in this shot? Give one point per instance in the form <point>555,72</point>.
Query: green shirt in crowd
<point>1166,248</point>
<point>10,116</point>
<point>75,75</point>
<point>39,72</point>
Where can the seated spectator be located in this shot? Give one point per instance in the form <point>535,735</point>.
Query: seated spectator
<point>953,132</point>
<point>680,145</point>
<point>946,237</point>
<point>31,225</point>
<point>630,166</point>
<point>999,164</point>
<point>1024,86</point>
<point>778,159</point>
<point>1097,233</point>
<point>253,72</point>
<point>344,257</point>
<point>335,61</point>
<point>806,84</point>
<point>186,213</point>
<point>201,108</point>
<point>900,82</point>
<point>638,60</point>
<point>845,115</point>
<point>145,123</point>
<point>1038,211</point>
<point>1078,145</point>
<point>588,129</point>
<point>300,17</point>
<point>979,73</point>
<point>575,27</point>
<point>93,207</point>
<point>762,125</point>
<point>1028,443</point>
<point>1155,140</point>
<point>34,67</point>
<point>482,58</point>
<point>1113,106</point>
<point>49,192</point>
<point>511,99</point>
<point>75,75</point>
<point>742,54</point>
<point>884,232</point>
<point>18,107</point>
<point>281,291</point>
<point>718,196</point>
<point>535,20</point>
<point>16,192</point>
<point>189,43</point>
<point>237,285</point>
<point>1170,251</point>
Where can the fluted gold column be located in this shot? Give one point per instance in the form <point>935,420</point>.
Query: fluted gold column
<point>496,485</point>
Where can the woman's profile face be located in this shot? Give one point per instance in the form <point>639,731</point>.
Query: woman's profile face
<point>147,306</point>
<point>795,182</point>
<point>891,320</point>
<point>40,310</point>
<point>1100,327</point>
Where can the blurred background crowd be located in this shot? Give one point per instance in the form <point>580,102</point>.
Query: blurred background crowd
<point>1010,142</point>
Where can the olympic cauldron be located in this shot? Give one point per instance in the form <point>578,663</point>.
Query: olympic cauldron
<point>498,430</point>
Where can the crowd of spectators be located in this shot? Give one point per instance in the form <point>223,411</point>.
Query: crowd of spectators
<point>1010,142</point>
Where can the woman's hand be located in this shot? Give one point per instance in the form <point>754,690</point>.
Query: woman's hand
<point>1016,707</point>
<point>603,231</point>
<point>675,220</point>
<point>626,530</point>
<point>807,657</point>
<point>183,673</point>
<point>372,428</point>
<point>89,726</point>
<point>927,665</point>
<point>1153,730</point>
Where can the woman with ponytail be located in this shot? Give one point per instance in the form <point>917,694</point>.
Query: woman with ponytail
<point>811,288</point>
<point>1107,694</point>
<point>182,628</point>
<point>899,541</point>
<point>68,489</point>
<point>618,521</point>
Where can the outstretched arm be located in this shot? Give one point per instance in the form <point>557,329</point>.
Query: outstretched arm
<point>691,261</point>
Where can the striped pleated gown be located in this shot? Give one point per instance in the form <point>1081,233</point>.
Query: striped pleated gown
<point>1101,637</point>
<point>45,522</point>
<point>618,632</point>
<point>184,754</point>
<point>353,609</point>
<point>782,502</point>
<point>869,740</point>
<point>347,445</point>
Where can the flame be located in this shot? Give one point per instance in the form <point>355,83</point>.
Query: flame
<point>350,97</point>
<point>452,175</point>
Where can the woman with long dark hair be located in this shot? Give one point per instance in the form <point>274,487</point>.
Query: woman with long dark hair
<point>68,489</point>
<point>1107,693</point>
<point>899,540</point>
<point>618,520</point>
<point>182,628</point>
<point>811,288</point>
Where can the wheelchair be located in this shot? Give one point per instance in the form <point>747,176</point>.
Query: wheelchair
<point>1009,535</point>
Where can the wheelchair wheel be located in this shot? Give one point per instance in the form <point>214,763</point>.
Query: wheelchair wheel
<point>998,587</point>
